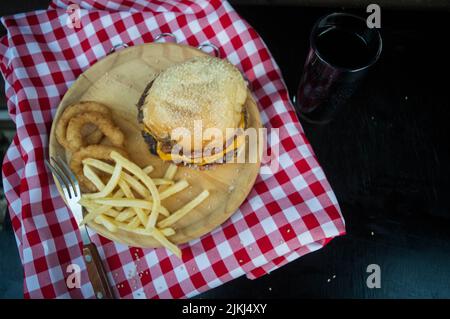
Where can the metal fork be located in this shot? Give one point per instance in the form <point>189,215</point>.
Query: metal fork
<point>72,194</point>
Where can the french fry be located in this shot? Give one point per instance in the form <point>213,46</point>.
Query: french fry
<point>175,188</point>
<point>134,223</point>
<point>130,225</point>
<point>125,215</point>
<point>118,194</point>
<point>128,202</point>
<point>112,213</point>
<point>142,231</point>
<point>107,168</point>
<point>136,185</point>
<point>122,210</point>
<point>167,231</point>
<point>177,215</point>
<point>93,177</point>
<point>163,181</point>
<point>137,171</point>
<point>163,211</point>
<point>165,242</point>
<point>129,194</point>
<point>148,169</point>
<point>94,209</point>
<point>86,202</point>
<point>124,202</point>
<point>93,212</point>
<point>109,187</point>
<point>126,190</point>
<point>169,174</point>
<point>106,221</point>
<point>171,171</point>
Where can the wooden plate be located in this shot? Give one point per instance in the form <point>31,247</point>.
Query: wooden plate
<point>118,81</point>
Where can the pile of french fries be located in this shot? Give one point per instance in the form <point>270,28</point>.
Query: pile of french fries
<point>131,199</point>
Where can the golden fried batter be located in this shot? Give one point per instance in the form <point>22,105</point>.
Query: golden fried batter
<point>104,124</point>
<point>92,151</point>
<point>75,109</point>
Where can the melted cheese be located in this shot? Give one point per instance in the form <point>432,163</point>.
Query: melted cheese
<point>237,142</point>
<point>200,161</point>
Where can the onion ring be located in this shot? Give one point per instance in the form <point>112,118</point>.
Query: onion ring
<point>75,109</point>
<point>93,151</point>
<point>104,124</point>
<point>94,138</point>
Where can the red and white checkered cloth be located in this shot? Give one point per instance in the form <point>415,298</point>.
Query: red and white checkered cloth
<point>287,214</point>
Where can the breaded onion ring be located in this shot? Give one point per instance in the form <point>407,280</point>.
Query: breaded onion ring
<point>92,151</point>
<point>104,124</point>
<point>94,138</point>
<point>75,109</point>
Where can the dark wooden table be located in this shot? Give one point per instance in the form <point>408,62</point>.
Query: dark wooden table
<point>387,156</point>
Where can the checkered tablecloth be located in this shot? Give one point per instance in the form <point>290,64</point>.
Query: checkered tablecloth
<point>287,214</point>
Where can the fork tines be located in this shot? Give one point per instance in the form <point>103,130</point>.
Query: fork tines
<point>65,177</point>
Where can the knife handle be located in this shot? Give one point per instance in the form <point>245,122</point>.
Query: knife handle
<point>96,272</point>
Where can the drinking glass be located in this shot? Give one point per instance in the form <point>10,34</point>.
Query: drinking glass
<point>342,48</point>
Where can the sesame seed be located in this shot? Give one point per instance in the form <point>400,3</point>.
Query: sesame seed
<point>199,81</point>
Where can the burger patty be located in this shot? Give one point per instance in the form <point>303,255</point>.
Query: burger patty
<point>149,139</point>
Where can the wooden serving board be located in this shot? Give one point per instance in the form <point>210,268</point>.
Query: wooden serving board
<point>118,81</point>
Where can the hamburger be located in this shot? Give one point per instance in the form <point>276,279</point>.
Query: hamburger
<point>194,113</point>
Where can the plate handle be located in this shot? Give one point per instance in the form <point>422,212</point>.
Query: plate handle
<point>165,35</point>
<point>212,46</point>
<point>118,46</point>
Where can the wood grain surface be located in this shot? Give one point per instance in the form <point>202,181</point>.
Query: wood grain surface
<point>118,81</point>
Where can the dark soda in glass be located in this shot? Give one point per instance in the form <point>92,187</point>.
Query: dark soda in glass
<point>341,50</point>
